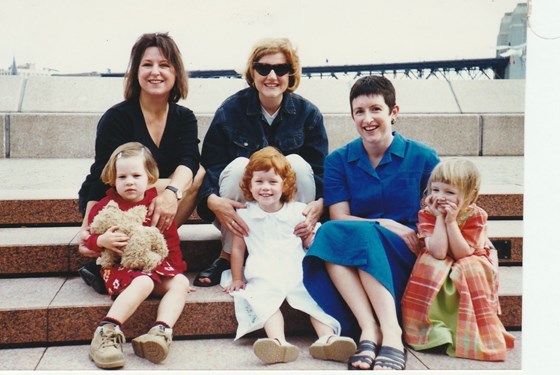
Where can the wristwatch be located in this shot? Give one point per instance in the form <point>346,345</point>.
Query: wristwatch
<point>178,193</point>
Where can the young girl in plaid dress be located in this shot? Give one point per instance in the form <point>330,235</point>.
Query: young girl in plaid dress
<point>451,300</point>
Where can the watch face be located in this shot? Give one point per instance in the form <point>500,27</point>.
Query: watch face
<point>179,194</point>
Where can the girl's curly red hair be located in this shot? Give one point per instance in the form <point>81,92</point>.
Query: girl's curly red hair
<point>264,160</point>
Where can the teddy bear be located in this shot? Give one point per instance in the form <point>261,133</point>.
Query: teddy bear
<point>146,246</point>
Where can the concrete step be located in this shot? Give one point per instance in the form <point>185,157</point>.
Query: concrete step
<point>43,251</point>
<point>62,310</point>
<point>44,191</point>
<point>226,355</point>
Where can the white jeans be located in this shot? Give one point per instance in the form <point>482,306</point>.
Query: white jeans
<point>231,176</point>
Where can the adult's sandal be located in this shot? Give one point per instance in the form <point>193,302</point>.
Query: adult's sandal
<point>389,357</point>
<point>213,273</point>
<point>363,346</point>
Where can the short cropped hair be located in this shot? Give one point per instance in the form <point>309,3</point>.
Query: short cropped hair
<point>374,85</point>
<point>264,160</point>
<point>270,46</point>
<point>128,150</point>
<point>170,51</point>
<point>461,173</point>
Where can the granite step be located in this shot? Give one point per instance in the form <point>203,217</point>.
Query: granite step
<point>62,310</point>
<point>43,192</point>
<point>43,251</point>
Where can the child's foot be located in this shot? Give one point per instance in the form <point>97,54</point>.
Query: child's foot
<point>154,345</point>
<point>106,347</point>
<point>273,351</point>
<point>333,348</point>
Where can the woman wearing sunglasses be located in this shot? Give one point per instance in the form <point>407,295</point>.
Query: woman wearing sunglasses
<point>267,113</point>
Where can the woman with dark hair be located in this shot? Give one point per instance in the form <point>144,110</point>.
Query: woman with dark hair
<point>155,81</point>
<point>267,113</point>
<point>360,261</point>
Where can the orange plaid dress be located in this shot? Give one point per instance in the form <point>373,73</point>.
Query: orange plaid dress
<point>472,329</point>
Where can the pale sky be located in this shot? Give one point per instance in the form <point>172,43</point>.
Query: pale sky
<point>96,35</point>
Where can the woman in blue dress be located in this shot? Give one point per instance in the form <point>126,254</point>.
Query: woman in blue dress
<point>359,264</point>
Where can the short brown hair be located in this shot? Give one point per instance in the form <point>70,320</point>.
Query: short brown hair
<point>374,85</point>
<point>264,160</point>
<point>270,46</point>
<point>171,52</point>
<point>128,150</point>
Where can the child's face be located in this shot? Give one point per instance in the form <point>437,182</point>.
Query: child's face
<point>443,194</point>
<point>266,187</point>
<point>131,180</point>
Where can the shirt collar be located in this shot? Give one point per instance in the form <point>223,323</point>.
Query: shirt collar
<point>254,104</point>
<point>397,147</point>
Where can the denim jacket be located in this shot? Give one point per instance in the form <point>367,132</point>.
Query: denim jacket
<point>239,129</point>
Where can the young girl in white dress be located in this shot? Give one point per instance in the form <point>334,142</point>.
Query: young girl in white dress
<point>273,269</point>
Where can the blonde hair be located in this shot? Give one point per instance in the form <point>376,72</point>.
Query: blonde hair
<point>264,160</point>
<point>461,173</point>
<point>129,150</point>
<point>270,46</point>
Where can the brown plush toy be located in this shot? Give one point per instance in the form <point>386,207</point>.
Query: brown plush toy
<point>146,247</point>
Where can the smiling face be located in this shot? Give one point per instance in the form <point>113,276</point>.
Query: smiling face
<point>131,179</point>
<point>266,188</point>
<point>271,86</point>
<point>373,117</point>
<point>156,74</point>
<point>444,193</point>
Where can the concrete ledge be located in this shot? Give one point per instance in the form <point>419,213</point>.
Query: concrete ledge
<point>52,135</point>
<point>503,135</point>
<point>72,135</point>
<point>10,93</point>
<point>2,136</point>
<point>96,94</point>
<point>71,94</point>
<point>496,96</point>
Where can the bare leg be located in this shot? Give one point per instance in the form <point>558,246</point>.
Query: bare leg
<point>321,328</point>
<point>128,301</point>
<point>384,306</point>
<point>188,203</point>
<point>174,291</point>
<point>349,285</point>
<point>274,327</point>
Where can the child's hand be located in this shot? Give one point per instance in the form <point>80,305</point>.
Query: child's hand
<point>434,205</point>
<point>113,240</point>
<point>235,286</point>
<point>451,211</point>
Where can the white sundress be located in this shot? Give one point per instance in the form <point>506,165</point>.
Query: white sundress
<point>273,269</point>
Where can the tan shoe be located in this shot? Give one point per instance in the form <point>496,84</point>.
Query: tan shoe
<point>272,351</point>
<point>154,345</point>
<point>106,347</point>
<point>333,348</point>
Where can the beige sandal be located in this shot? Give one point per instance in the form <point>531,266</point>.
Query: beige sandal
<point>333,348</point>
<point>273,351</point>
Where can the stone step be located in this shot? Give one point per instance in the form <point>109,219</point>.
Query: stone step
<point>63,310</point>
<point>43,251</point>
<point>43,192</point>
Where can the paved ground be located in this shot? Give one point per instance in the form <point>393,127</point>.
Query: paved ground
<point>225,354</point>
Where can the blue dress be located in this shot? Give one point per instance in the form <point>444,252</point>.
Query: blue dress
<point>392,190</point>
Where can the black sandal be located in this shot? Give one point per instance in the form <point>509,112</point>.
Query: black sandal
<point>390,357</point>
<point>213,272</point>
<point>363,346</point>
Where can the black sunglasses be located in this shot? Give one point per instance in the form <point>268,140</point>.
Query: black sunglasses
<point>279,69</point>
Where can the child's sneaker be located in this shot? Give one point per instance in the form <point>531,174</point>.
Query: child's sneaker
<point>106,347</point>
<point>154,345</point>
